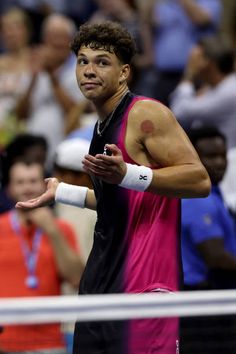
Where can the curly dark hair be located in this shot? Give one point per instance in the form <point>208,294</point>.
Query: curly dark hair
<point>107,35</point>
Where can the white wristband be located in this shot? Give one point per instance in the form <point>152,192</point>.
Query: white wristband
<point>137,177</point>
<point>70,194</point>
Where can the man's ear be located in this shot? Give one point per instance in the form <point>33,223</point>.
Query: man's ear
<point>124,73</point>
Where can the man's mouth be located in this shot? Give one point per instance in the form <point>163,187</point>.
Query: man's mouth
<point>90,85</point>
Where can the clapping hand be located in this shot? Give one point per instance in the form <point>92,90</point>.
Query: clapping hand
<point>111,167</point>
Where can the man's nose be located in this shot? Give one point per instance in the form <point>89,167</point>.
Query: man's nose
<point>90,70</point>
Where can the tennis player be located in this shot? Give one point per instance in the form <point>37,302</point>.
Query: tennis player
<point>141,163</point>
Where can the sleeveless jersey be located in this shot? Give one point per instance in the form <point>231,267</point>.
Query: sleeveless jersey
<point>136,237</point>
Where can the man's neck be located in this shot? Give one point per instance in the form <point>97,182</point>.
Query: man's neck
<point>105,108</point>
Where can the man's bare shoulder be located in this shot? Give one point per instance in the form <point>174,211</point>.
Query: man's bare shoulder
<point>149,115</point>
<point>151,107</point>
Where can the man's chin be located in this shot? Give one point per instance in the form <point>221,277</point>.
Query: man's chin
<point>90,95</point>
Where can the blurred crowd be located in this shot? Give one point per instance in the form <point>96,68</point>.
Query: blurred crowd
<point>185,59</point>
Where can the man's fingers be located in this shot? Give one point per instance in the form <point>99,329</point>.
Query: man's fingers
<point>40,201</point>
<point>32,203</point>
<point>106,160</point>
<point>104,166</point>
<point>113,149</point>
<point>102,160</point>
<point>51,179</point>
<point>99,166</point>
<point>94,162</point>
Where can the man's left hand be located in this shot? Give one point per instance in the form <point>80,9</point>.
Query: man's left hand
<point>111,167</point>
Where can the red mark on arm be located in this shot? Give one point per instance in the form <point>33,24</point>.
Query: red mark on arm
<point>147,126</point>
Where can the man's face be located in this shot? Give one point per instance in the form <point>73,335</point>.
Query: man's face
<point>212,152</point>
<point>99,73</point>
<point>25,181</point>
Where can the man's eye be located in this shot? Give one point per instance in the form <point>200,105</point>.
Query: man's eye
<point>81,61</point>
<point>102,62</point>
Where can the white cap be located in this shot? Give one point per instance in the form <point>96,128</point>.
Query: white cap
<point>70,153</point>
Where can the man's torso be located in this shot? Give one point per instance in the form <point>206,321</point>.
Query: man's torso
<point>136,234</point>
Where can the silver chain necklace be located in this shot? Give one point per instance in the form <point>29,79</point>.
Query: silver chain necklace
<point>99,131</point>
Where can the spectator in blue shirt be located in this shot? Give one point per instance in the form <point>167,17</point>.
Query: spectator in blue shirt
<point>208,230</point>
<point>208,249</point>
<point>176,26</point>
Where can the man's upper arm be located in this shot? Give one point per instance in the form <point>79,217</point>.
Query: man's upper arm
<point>155,139</point>
<point>163,137</point>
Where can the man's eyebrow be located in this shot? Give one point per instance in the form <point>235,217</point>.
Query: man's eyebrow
<point>103,55</point>
<point>97,56</point>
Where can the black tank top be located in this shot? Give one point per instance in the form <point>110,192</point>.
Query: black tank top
<point>103,271</point>
<point>136,238</point>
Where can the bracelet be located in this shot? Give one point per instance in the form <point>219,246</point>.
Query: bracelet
<point>70,194</point>
<point>137,177</point>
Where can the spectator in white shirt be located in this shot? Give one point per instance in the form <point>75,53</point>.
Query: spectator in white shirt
<point>53,90</point>
<point>211,62</point>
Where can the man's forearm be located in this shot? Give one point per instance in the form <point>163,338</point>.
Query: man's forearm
<point>91,202</point>
<point>186,181</point>
<point>75,195</point>
<point>182,181</point>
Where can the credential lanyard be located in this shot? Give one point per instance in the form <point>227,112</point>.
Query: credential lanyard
<point>30,255</point>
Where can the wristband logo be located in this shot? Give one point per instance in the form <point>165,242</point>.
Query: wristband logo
<point>143,177</point>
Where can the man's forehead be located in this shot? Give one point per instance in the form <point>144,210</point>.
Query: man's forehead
<point>96,50</point>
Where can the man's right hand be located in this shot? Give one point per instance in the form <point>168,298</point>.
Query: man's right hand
<point>46,198</point>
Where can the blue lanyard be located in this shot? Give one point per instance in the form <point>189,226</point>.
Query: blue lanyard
<point>30,255</point>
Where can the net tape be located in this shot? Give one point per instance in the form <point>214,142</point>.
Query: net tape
<point>116,306</point>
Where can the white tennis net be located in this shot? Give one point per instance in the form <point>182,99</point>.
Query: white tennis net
<point>116,306</point>
<point>193,307</point>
